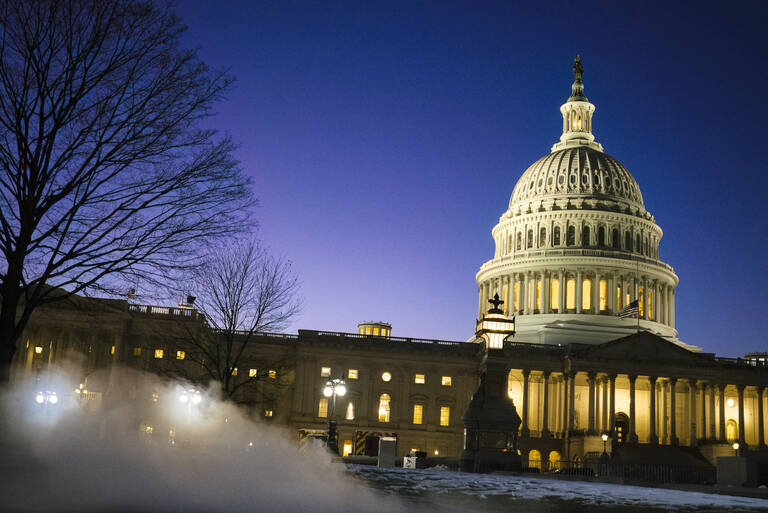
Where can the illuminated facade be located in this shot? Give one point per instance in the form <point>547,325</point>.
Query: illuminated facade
<point>573,249</point>
<point>576,245</point>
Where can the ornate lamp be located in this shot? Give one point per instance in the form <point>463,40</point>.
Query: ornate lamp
<point>494,327</point>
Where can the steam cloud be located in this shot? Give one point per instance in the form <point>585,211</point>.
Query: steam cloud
<point>206,457</point>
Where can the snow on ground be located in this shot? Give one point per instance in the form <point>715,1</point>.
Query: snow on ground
<point>422,484</point>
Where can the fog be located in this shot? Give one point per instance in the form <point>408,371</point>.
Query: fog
<point>206,455</point>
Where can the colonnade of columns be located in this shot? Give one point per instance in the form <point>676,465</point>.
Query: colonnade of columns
<point>562,291</point>
<point>671,402</point>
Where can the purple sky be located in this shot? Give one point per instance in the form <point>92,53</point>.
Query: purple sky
<point>385,139</point>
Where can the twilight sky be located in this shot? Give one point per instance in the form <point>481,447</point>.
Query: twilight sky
<point>385,138</point>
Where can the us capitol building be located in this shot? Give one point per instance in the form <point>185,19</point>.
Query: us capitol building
<point>574,249</point>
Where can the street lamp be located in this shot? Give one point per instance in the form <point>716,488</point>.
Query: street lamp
<point>46,398</point>
<point>333,388</point>
<point>605,441</point>
<point>735,448</point>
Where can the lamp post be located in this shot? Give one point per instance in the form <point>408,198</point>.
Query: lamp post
<point>333,388</point>
<point>189,397</point>
<point>605,441</point>
<point>46,398</point>
<point>735,448</point>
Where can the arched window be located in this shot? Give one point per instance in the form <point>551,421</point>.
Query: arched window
<point>637,243</point>
<point>731,430</point>
<point>628,241</point>
<point>384,400</point>
<point>534,459</point>
<point>615,239</point>
<point>586,294</point>
<point>554,294</point>
<point>509,243</point>
<point>585,236</point>
<point>519,240</point>
<point>542,237</point>
<point>350,411</point>
<point>603,295</point>
<point>556,236</point>
<point>601,236</point>
<point>571,237</point>
<point>530,239</point>
<point>554,461</point>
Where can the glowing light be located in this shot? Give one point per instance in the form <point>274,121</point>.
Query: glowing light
<point>511,394</point>
<point>735,446</point>
<point>183,398</point>
<point>341,390</point>
<point>327,391</point>
<point>386,377</point>
<point>196,398</point>
<point>436,452</point>
<point>53,399</point>
<point>38,350</point>
<point>605,437</point>
<point>39,398</point>
<point>730,403</point>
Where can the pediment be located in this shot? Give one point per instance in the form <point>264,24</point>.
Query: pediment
<point>641,347</point>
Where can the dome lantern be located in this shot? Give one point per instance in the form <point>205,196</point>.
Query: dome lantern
<point>577,115</point>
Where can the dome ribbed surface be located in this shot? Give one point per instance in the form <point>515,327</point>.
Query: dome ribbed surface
<point>580,172</point>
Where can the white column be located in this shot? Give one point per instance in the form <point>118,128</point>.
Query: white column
<point>578,291</point>
<point>525,293</point>
<point>561,304</point>
<point>596,293</point>
<point>546,285</point>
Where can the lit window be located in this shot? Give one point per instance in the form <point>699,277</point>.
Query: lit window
<point>603,295</point>
<point>347,448</point>
<point>252,373</point>
<point>640,297</point>
<point>418,411</point>
<point>376,330</point>
<point>137,351</point>
<point>180,355</point>
<point>325,372</point>
<point>268,413</point>
<point>386,377</point>
<point>272,374</point>
<point>234,371</point>
<point>516,293</point>
<point>419,379</point>
<point>112,350</point>
<point>352,373</point>
<point>570,294</point>
<point>446,381</point>
<point>538,294</point>
<point>361,330</point>
<point>384,400</point>
<point>368,330</point>
<point>158,353</point>
<point>38,349</point>
<point>586,294</point>
<point>350,411</point>
<point>554,294</point>
<point>445,415</point>
<point>322,408</point>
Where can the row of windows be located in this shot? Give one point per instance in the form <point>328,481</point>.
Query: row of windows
<point>386,376</point>
<point>384,411</point>
<point>642,245</point>
<point>535,297</point>
<point>375,331</point>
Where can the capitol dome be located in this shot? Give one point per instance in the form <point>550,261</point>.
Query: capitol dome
<point>574,173</point>
<point>577,254</point>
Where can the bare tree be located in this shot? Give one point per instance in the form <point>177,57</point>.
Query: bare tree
<point>243,291</point>
<point>107,176</point>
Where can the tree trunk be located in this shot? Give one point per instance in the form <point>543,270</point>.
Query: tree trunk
<point>8,338</point>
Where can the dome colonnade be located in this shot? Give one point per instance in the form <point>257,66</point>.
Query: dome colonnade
<point>576,245</point>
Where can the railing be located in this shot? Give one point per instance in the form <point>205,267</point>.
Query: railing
<point>610,253</point>
<point>626,472</point>
<point>359,336</point>
<point>166,311</point>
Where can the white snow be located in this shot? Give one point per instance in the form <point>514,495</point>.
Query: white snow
<point>437,481</point>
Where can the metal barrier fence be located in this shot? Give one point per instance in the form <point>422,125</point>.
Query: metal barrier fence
<point>628,472</point>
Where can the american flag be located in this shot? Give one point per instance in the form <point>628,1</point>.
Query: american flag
<point>631,310</point>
